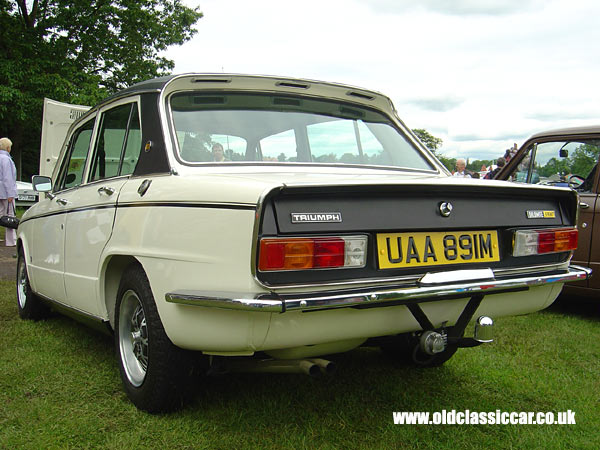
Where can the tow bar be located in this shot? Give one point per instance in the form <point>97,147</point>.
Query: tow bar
<point>433,341</point>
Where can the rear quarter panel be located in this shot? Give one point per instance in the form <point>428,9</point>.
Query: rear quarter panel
<point>191,244</point>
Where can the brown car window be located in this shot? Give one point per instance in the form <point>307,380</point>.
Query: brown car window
<point>560,163</point>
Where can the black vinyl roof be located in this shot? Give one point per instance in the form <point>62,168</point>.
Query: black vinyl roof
<point>155,84</point>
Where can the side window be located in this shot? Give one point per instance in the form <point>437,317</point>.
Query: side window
<point>373,152</point>
<point>344,141</point>
<point>234,147</point>
<point>523,172</point>
<point>115,144</point>
<point>72,170</point>
<point>279,147</point>
<point>133,144</point>
<point>560,163</point>
<point>333,141</point>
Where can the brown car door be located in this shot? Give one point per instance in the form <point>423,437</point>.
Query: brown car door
<point>588,252</point>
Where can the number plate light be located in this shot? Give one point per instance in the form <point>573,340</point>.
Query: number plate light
<point>537,242</point>
<point>312,253</point>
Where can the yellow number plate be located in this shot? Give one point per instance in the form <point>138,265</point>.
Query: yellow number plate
<point>402,250</point>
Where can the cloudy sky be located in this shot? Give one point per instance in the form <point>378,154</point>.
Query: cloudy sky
<point>480,74</point>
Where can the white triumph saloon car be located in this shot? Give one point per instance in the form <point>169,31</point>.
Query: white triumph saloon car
<point>220,223</point>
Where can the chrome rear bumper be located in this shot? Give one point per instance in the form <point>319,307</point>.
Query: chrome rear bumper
<point>423,291</point>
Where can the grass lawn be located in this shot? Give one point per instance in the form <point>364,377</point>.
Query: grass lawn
<point>60,388</point>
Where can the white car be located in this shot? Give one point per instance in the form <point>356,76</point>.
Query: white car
<point>26,195</point>
<point>235,223</point>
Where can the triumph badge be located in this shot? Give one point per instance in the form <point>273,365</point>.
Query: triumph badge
<point>445,209</point>
<point>325,217</point>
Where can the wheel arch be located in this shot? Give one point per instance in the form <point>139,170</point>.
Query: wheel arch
<point>23,245</point>
<point>111,276</point>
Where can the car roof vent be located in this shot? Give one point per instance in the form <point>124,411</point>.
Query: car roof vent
<point>292,84</point>
<point>360,95</point>
<point>211,80</point>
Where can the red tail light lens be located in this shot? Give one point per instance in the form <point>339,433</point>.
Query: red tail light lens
<point>312,253</point>
<point>537,242</point>
<point>329,253</point>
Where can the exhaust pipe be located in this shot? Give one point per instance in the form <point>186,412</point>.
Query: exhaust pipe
<point>307,367</point>
<point>327,367</point>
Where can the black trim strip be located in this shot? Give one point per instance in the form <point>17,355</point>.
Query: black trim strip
<point>233,206</point>
<point>66,211</point>
<point>242,206</point>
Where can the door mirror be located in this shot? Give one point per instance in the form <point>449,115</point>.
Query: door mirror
<point>41,183</point>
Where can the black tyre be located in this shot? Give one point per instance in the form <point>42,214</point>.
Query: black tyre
<point>405,349</point>
<point>155,373</point>
<point>30,306</point>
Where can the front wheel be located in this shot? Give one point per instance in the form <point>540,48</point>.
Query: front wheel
<point>30,306</point>
<point>155,373</point>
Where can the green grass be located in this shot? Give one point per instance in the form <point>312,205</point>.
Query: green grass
<point>60,388</point>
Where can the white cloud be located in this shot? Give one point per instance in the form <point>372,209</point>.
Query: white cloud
<point>456,7</point>
<point>481,75</point>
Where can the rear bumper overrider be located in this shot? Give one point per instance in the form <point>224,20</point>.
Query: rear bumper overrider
<point>425,290</point>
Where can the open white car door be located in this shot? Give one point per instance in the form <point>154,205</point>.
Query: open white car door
<point>56,121</point>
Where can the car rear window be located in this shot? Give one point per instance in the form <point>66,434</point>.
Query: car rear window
<point>285,129</point>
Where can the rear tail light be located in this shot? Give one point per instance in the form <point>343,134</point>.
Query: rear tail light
<point>312,253</point>
<point>537,242</point>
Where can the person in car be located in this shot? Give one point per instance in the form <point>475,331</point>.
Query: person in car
<point>218,153</point>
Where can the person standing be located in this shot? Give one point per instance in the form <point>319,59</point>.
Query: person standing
<point>461,169</point>
<point>8,187</point>
<point>500,163</point>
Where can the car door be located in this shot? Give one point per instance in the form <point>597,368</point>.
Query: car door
<point>588,251</point>
<point>92,206</point>
<point>47,263</point>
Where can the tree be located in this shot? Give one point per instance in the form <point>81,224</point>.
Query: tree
<point>449,163</point>
<point>434,143</point>
<point>584,159</point>
<point>430,141</point>
<point>475,165</point>
<point>553,166</point>
<point>78,51</point>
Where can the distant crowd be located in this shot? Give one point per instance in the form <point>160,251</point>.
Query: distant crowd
<point>487,173</point>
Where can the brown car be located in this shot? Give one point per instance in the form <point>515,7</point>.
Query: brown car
<point>567,157</point>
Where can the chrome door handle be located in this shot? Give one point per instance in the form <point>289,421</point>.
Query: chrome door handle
<point>583,205</point>
<point>106,190</point>
<point>62,201</point>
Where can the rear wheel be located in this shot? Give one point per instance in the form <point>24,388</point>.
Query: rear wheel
<point>155,373</point>
<point>405,348</point>
<point>30,306</point>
